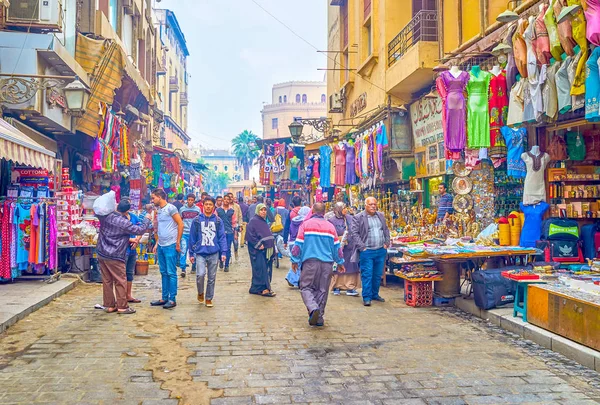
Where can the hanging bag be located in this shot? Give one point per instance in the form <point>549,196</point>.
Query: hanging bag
<point>557,149</point>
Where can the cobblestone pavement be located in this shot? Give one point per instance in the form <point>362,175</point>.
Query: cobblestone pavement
<point>254,350</point>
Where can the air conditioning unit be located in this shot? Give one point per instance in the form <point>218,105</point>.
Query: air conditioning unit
<point>335,103</point>
<point>45,15</point>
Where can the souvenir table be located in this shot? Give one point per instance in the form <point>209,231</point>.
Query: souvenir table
<point>449,260</point>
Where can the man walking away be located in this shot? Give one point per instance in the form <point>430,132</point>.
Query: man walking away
<point>252,208</point>
<point>168,247</point>
<point>178,201</point>
<point>113,241</point>
<point>227,215</point>
<point>188,213</point>
<point>371,235</point>
<point>244,221</point>
<point>238,219</point>
<point>315,250</point>
<point>207,242</point>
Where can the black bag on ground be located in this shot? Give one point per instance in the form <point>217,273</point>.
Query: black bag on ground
<point>490,289</point>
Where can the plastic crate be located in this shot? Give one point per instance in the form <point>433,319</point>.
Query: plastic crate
<point>418,293</point>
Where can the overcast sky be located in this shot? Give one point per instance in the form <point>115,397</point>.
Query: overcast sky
<point>237,52</point>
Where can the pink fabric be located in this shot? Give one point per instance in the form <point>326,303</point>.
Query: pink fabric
<point>541,42</point>
<point>52,253</point>
<point>592,15</point>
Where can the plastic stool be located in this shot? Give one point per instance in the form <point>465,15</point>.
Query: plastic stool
<point>521,295</point>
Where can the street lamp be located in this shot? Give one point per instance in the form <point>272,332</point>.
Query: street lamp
<point>77,95</point>
<point>296,131</point>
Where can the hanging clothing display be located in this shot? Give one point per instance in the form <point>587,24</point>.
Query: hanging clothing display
<point>350,164</point>
<point>478,118</point>
<point>575,146</point>
<point>563,86</point>
<point>549,93</point>
<point>552,28</point>
<point>515,104</point>
<point>381,143</point>
<point>592,16</point>
<point>577,99</point>
<point>498,107</point>
<point>534,189</point>
<point>456,110</point>
<point>565,30</point>
<point>536,86</point>
<point>325,176</point>
<point>511,66</point>
<point>542,41</point>
<point>294,169</point>
<point>592,87</point>
<point>579,35</point>
<point>340,164</point>
<point>514,139</point>
<point>520,48</point>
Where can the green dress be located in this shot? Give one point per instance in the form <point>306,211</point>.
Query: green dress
<point>478,117</point>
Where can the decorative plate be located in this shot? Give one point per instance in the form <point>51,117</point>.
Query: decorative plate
<point>462,203</point>
<point>459,169</point>
<point>462,185</point>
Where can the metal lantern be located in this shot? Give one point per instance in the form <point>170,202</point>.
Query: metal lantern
<point>77,95</point>
<point>296,130</point>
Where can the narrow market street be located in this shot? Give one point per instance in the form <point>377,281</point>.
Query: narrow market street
<point>249,349</point>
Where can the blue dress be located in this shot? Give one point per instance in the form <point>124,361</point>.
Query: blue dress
<point>532,228</point>
<point>325,168</point>
<point>514,144</point>
<point>592,87</point>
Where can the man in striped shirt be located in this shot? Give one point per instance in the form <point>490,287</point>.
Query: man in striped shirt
<point>315,249</point>
<point>445,203</point>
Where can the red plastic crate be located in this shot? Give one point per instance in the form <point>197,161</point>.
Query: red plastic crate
<point>418,293</point>
<point>520,276</point>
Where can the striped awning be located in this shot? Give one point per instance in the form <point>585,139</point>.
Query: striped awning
<point>18,147</point>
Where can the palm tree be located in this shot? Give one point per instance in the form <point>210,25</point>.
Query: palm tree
<point>245,149</point>
<point>214,183</point>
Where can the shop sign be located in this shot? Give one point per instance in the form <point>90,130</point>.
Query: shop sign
<point>55,98</point>
<point>358,105</point>
<point>401,137</point>
<point>428,136</point>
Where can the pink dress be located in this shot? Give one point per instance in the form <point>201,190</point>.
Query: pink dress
<point>456,110</point>
<point>542,41</point>
<point>592,15</point>
<point>340,165</point>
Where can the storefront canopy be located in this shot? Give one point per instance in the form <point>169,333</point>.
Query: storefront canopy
<point>18,147</point>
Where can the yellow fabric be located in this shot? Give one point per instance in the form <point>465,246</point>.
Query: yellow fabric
<point>104,61</point>
<point>579,27</point>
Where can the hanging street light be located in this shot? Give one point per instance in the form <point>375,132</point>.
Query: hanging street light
<point>296,131</point>
<point>77,95</point>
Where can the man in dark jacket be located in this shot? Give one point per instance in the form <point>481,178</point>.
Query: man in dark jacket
<point>113,241</point>
<point>207,244</point>
<point>227,215</point>
<point>371,235</point>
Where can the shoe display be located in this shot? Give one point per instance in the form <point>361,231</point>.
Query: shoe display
<point>201,298</point>
<point>352,293</point>
<point>336,291</point>
<point>209,303</point>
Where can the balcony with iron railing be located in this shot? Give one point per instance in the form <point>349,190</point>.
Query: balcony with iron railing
<point>412,54</point>
<point>173,84</point>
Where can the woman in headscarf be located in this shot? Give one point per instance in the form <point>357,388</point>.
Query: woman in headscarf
<point>350,280</point>
<point>292,277</point>
<point>261,245</point>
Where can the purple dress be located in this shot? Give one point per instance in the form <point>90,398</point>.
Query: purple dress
<point>456,110</point>
<point>350,162</point>
<point>341,225</point>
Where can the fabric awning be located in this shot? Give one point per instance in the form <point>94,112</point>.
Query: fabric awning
<point>18,147</point>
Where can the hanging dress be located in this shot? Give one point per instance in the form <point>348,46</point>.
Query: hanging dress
<point>549,94</point>
<point>534,189</point>
<point>350,164</point>
<point>511,67</point>
<point>592,87</point>
<point>592,15</point>
<point>340,165</point>
<point>478,118</point>
<point>579,35</point>
<point>5,272</point>
<point>520,48</point>
<point>542,41</point>
<point>455,110</point>
<point>577,100</point>
<point>498,112</point>
<point>294,169</point>
<point>325,179</point>
<point>565,30</point>
<point>563,86</point>
<point>536,93</point>
<point>552,28</point>
<point>516,104</point>
<point>514,138</point>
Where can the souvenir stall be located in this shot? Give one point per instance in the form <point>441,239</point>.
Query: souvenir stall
<point>285,169</point>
